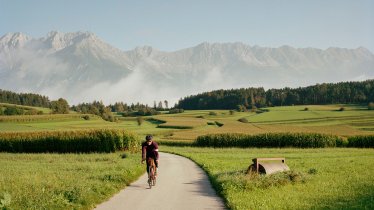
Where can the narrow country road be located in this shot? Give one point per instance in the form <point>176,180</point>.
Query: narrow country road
<point>181,184</point>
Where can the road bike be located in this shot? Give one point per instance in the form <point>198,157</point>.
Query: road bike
<point>151,172</point>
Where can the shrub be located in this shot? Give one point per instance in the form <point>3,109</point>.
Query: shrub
<point>241,108</point>
<point>5,200</point>
<point>219,124</point>
<point>371,106</point>
<point>306,109</point>
<point>259,111</point>
<point>361,141</point>
<point>243,120</point>
<point>125,114</point>
<point>312,171</point>
<point>232,112</point>
<point>33,112</point>
<point>68,141</point>
<point>139,120</point>
<point>253,181</point>
<point>341,109</point>
<point>124,155</point>
<point>86,117</point>
<point>300,140</point>
<point>213,113</point>
<point>174,111</point>
<point>253,108</point>
<point>13,111</point>
<point>146,112</point>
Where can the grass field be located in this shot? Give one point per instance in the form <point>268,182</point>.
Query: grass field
<point>43,109</point>
<point>354,120</point>
<point>341,178</point>
<point>64,181</point>
<point>344,178</point>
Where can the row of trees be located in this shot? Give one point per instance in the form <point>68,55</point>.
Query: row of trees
<point>251,98</point>
<point>96,108</point>
<point>121,107</point>
<point>59,106</point>
<point>27,99</point>
<point>138,109</point>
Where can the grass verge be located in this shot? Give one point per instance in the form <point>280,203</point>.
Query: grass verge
<point>64,181</point>
<point>336,178</point>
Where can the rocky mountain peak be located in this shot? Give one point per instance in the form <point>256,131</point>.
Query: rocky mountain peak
<point>15,40</point>
<point>62,63</point>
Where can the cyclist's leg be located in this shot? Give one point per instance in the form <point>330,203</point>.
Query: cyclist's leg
<point>147,166</point>
<point>156,164</point>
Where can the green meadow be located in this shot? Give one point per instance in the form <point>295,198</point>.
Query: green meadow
<point>44,110</point>
<point>64,181</point>
<point>354,120</point>
<point>330,178</point>
<point>333,178</point>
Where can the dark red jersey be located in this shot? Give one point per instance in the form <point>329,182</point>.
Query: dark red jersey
<point>150,150</point>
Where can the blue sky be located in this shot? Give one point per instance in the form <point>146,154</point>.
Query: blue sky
<point>172,24</point>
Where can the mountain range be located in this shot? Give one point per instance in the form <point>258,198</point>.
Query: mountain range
<point>81,67</point>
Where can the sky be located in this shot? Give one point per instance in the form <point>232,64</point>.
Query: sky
<point>171,25</point>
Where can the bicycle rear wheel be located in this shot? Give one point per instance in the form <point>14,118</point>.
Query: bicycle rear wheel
<point>150,182</point>
<point>154,181</point>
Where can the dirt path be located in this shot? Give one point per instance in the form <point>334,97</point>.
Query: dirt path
<point>181,184</point>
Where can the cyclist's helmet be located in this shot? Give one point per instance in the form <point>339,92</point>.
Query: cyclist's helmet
<point>149,137</point>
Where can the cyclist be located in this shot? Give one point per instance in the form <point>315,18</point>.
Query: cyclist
<point>150,150</point>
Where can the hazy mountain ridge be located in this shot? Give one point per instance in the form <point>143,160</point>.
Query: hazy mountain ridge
<point>81,67</point>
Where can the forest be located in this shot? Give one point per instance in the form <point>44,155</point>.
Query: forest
<point>249,98</point>
<point>26,99</point>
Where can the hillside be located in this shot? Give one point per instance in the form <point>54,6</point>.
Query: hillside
<point>245,98</point>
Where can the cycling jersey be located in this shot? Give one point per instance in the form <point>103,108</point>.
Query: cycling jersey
<point>150,151</point>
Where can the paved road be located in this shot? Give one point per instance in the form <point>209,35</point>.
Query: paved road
<point>181,184</point>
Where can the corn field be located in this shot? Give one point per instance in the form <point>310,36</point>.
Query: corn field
<point>85,141</point>
<point>361,141</point>
<point>46,117</point>
<point>300,140</point>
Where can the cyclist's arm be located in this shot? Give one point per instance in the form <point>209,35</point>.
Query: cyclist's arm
<point>144,151</point>
<point>156,150</point>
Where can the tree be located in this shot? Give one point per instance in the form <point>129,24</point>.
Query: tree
<point>241,108</point>
<point>159,105</point>
<point>28,99</point>
<point>253,106</point>
<point>166,104</point>
<point>60,106</point>
<point>107,115</point>
<point>119,107</point>
<point>342,93</point>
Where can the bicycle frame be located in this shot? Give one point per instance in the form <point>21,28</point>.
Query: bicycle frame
<point>151,172</point>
